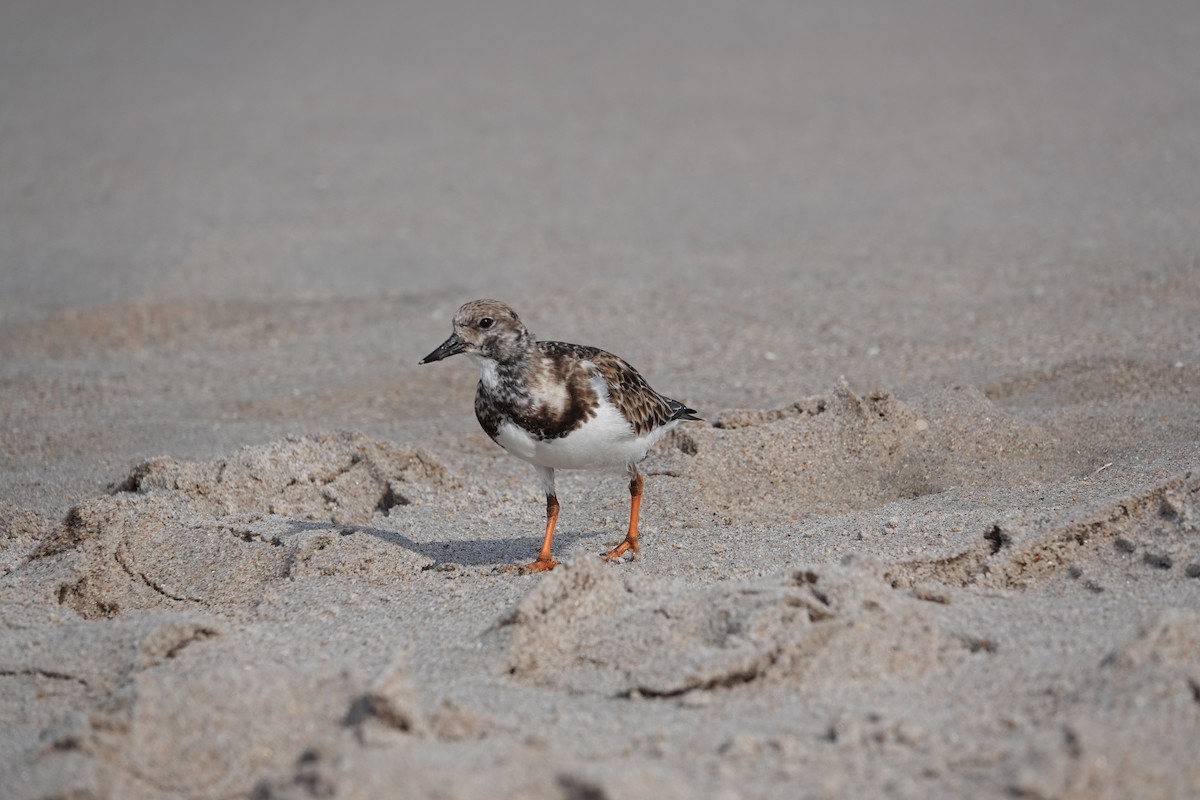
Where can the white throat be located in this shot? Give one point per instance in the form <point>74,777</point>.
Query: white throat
<point>487,370</point>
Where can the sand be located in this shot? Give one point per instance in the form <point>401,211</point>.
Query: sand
<point>929,271</point>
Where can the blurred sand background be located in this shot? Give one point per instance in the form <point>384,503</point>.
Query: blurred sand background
<point>930,271</point>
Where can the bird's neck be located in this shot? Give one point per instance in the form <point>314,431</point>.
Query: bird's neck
<point>493,373</point>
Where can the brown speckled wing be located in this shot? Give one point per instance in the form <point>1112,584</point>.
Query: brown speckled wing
<point>645,408</point>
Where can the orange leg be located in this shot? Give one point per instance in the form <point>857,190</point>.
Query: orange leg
<point>635,506</point>
<point>544,560</point>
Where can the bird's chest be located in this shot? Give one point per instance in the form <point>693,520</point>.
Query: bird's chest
<point>557,426</point>
<point>543,405</point>
<point>603,440</point>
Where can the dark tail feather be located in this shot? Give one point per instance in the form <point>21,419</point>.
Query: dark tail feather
<point>680,411</point>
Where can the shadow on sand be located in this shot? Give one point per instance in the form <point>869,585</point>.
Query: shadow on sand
<point>468,552</point>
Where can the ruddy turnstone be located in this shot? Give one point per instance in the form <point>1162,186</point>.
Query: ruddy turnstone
<point>560,406</point>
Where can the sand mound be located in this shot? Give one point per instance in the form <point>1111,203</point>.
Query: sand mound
<point>178,535</point>
<point>114,718</point>
<point>175,703</point>
<point>843,452</point>
<point>470,771</point>
<point>344,478</point>
<point>1151,531</point>
<point>19,530</point>
<point>1090,753</point>
<point>587,627</point>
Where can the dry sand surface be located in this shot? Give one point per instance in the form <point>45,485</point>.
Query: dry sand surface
<point>929,270</point>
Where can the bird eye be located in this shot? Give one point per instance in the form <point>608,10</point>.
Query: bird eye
<point>486,323</point>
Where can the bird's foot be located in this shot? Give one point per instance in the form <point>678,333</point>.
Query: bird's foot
<point>629,545</point>
<point>538,565</point>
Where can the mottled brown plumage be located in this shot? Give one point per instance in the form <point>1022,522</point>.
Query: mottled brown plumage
<point>559,405</point>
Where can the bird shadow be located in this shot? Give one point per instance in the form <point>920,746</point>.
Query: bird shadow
<point>464,552</point>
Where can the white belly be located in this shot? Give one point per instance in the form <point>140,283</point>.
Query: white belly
<point>606,441</point>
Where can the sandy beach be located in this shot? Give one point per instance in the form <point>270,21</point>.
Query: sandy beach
<point>929,271</point>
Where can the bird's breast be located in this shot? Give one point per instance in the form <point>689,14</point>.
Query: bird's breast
<point>604,440</point>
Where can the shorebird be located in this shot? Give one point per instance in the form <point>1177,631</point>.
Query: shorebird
<point>560,406</point>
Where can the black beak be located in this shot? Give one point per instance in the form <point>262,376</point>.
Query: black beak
<point>451,347</point>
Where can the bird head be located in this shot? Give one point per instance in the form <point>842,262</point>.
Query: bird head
<point>485,329</point>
